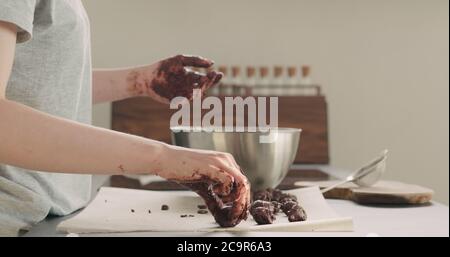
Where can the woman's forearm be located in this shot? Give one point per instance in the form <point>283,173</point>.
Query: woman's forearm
<point>113,84</point>
<point>34,140</point>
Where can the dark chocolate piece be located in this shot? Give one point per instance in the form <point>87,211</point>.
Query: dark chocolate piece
<point>276,207</point>
<point>297,213</point>
<point>267,203</point>
<point>263,195</point>
<point>287,205</point>
<point>276,194</point>
<point>287,197</point>
<point>262,215</point>
<point>164,207</point>
<point>264,204</point>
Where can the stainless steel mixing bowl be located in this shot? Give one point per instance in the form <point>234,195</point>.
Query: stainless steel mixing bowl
<point>265,164</point>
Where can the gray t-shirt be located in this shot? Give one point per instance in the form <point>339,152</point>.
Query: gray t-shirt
<point>51,73</point>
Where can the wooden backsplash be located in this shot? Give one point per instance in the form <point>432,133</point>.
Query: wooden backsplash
<point>147,118</point>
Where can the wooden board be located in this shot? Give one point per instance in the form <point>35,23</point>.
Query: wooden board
<point>147,118</point>
<point>384,192</point>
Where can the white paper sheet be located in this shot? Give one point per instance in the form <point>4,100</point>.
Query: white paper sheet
<point>111,211</point>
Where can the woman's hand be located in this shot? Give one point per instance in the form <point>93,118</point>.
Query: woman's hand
<point>171,77</point>
<point>215,176</point>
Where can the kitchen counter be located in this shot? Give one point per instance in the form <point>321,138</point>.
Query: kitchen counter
<point>377,220</point>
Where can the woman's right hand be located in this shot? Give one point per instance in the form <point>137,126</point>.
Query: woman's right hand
<point>215,176</point>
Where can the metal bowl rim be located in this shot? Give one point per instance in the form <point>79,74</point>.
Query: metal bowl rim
<point>181,129</point>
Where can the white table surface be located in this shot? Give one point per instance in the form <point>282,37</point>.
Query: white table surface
<point>379,220</point>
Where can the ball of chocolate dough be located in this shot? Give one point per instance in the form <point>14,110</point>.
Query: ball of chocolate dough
<point>287,206</point>
<point>296,213</point>
<point>276,207</point>
<point>267,203</point>
<point>287,197</point>
<point>263,215</point>
<point>224,213</point>
<point>263,195</point>
<point>276,194</point>
<point>260,203</point>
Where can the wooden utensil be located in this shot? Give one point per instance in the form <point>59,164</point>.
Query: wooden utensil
<point>383,192</point>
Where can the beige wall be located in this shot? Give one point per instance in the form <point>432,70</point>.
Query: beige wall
<point>383,64</point>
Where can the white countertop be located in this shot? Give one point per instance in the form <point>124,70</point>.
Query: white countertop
<point>377,220</point>
<point>429,220</point>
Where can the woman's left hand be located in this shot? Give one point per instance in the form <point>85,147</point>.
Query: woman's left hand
<point>170,78</point>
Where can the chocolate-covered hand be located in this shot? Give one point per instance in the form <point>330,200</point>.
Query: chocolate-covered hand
<point>214,176</point>
<point>171,77</point>
<point>228,210</point>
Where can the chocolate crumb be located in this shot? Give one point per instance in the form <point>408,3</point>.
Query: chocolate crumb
<point>201,206</point>
<point>202,211</point>
<point>183,215</point>
<point>132,210</point>
<point>149,211</point>
<point>164,207</point>
<point>191,215</point>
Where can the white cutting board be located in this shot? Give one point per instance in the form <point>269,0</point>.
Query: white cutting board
<point>110,211</point>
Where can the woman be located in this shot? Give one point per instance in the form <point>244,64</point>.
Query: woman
<point>47,147</point>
